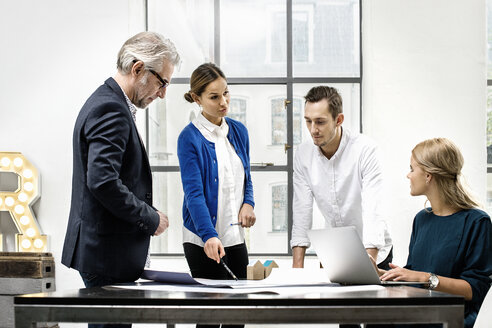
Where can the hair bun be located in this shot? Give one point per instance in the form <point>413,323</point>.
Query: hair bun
<point>188,97</point>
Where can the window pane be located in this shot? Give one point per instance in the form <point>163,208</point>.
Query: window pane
<point>489,191</point>
<point>350,98</point>
<point>167,118</point>
<point>279,208</point>
<point>168,198</point>
<point>326,38</point>
<point>489,148</point>
<point>279,120</point>
<point>489,38</point>
<point>489,125</point>
<point>250,104</point>
<point>264,115</point>
<point>237,109</point>
<point>270,194</point>
<point>189,24</point>
<point>253,38</point>
<point>261,238</point>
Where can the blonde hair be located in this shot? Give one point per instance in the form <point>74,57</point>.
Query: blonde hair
<point>441,158</point>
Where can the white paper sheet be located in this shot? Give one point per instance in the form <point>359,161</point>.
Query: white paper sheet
<point>282,281</point>
<point>279,290</point>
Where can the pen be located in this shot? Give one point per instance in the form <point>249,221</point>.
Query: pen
<point>235,223</point>
<point>228,270</point>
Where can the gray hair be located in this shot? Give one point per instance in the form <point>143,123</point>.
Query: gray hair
<point>149,47</point>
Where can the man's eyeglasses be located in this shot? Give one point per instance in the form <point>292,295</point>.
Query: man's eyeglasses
<point>164,82</point>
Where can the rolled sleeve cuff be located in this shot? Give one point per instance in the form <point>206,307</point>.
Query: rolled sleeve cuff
<point>250,202</point>
<point>300,243</point>
<point>372,245</point>
<point>374,240</point>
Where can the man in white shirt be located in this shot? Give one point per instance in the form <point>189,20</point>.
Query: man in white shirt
<point>341,171</point>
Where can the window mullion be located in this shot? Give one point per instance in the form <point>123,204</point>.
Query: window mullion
<point>290,130</point>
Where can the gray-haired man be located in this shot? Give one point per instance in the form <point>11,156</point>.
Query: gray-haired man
<point>111,216</point>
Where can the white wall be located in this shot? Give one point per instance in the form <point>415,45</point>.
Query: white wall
<point>424,76</point>
<point>55,53</point>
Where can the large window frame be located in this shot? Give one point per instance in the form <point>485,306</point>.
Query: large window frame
<point>489,105</point>
<point>289,81</point>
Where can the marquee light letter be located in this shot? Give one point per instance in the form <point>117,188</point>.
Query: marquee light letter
<point>18,203</point>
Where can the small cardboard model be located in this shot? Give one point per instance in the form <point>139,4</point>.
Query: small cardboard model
<point>258,271</point>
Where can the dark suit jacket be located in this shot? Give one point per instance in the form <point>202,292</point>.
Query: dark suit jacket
<point>111,215</point>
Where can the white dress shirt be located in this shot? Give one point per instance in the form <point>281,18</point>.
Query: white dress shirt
<point>231,185</point>
<point>348,189</point>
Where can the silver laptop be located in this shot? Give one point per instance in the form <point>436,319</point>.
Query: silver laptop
<point>345,259</point>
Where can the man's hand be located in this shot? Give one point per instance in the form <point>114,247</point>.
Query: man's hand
<point>373,261</point>
<point>247,216</point>
<point>213,249</point>
<point>298,253</point>
<point>163,223</point>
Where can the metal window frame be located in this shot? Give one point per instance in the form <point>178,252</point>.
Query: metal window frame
<point>289,82</point>
<point>489,84</point>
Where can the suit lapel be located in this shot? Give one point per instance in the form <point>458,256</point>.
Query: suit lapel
<point>117,89</point>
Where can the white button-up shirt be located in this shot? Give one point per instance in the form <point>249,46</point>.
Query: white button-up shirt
<point>231,185</point>
<point>348,189</point>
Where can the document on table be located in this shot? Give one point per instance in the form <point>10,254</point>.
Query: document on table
<point>281,281</point>
<point>278,277</point>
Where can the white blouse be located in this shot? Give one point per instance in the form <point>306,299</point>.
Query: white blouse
<point>231,185</point>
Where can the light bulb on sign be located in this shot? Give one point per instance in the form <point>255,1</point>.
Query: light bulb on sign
<point>24,220</point>
<point>28,186</point>
<point>5,161</point>
<point>18,202</point>
<point>38,243</point>
<point>18,162</point>
<point>9,201</point>
<point>26,244</point>
<point>19,209</point>
<point>22,197</point>
<point>30,232</point>
<point>27,174</point>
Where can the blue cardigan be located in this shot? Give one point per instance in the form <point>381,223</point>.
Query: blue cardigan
<point>200,176</point>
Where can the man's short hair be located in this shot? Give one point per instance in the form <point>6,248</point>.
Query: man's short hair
<point>149,47</point>
<point>334,99</point>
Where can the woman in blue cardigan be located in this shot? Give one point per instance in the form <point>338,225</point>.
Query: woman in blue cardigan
<point>451,241</point>
<point>214,161</point>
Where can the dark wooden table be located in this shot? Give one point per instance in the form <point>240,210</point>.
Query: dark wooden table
<point>400,304</point>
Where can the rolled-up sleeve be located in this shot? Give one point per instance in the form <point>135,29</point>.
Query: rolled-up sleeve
<point>302,205</point>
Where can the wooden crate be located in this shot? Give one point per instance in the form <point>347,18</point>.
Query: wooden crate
<point>26,265</point>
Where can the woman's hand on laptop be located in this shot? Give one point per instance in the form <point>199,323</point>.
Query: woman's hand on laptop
<point>401,274</point>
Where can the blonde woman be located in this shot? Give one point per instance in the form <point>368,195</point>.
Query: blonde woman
<point>451,242</point>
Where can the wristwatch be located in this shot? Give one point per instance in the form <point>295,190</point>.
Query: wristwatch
<point>433,281</point>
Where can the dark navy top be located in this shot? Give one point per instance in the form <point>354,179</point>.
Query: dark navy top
<point>456,246</point>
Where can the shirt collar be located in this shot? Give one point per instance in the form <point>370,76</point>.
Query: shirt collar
<point>131,106</point>
<point>341,146</point>
<point>212,127</point>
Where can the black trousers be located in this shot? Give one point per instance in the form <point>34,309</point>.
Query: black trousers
<point>201,266</point>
